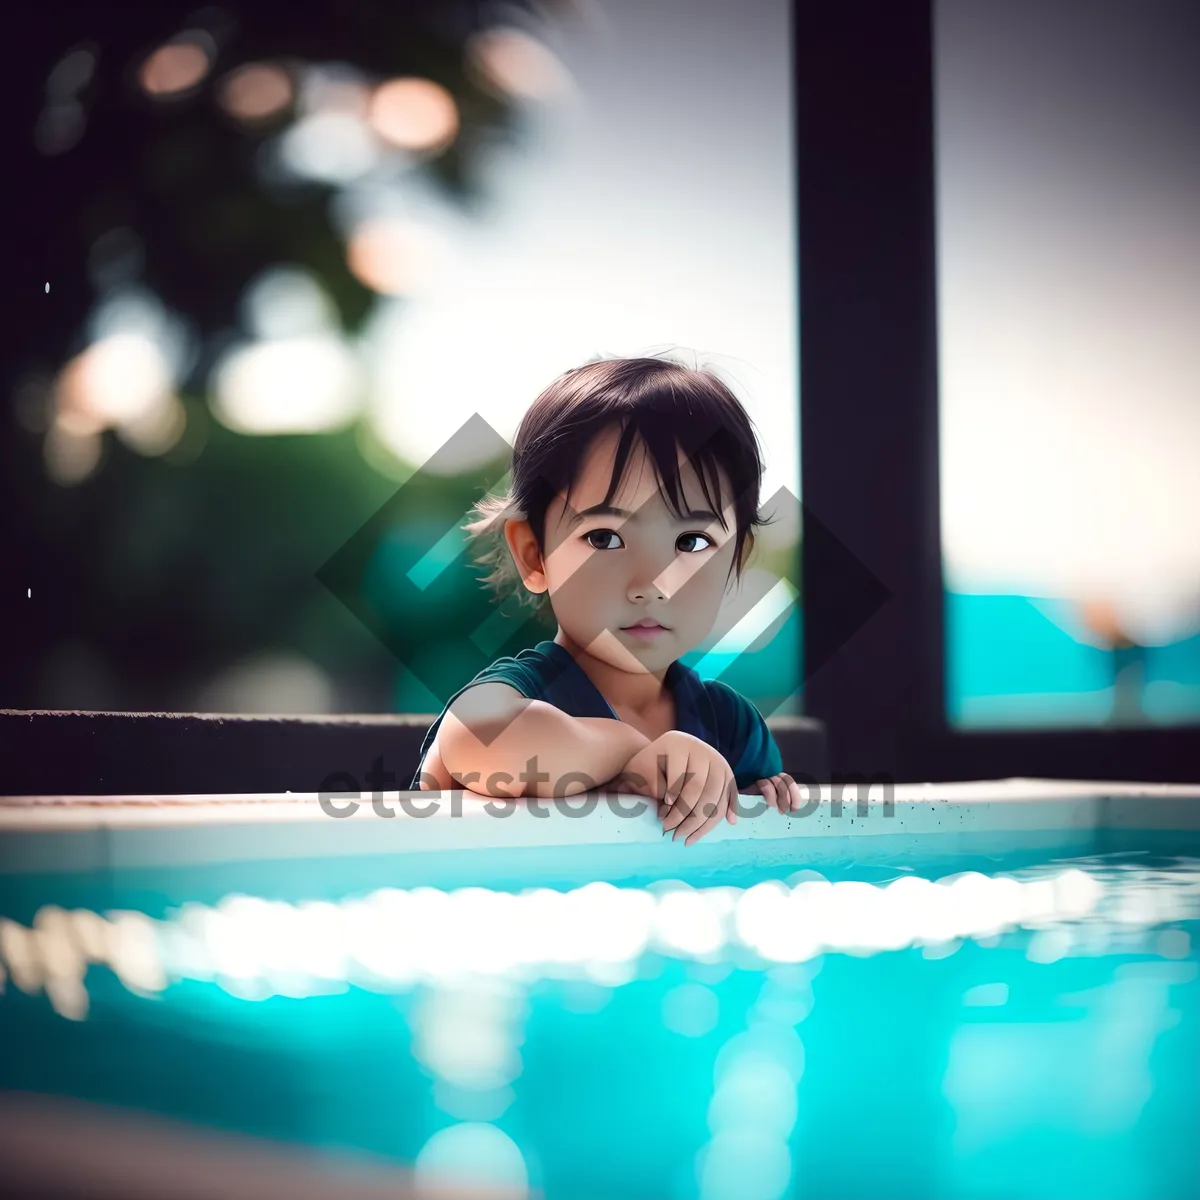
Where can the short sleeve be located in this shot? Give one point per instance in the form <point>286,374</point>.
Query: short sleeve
<point>516,674</point>
<point>746,741</point>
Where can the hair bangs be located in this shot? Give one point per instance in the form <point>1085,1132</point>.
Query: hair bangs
<point>673,410</point>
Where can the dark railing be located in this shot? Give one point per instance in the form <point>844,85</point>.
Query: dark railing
<point>92,754</point>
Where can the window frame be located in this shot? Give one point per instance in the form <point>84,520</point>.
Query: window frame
<point>865,155</point>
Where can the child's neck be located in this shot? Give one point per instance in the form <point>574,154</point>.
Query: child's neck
<point>641,692</point>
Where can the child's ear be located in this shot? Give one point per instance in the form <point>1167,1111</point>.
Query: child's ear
<point>522,545</point>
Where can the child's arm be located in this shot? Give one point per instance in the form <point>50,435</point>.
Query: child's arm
<point>492,732</point>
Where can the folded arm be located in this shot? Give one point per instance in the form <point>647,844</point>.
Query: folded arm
<point>496,742</point>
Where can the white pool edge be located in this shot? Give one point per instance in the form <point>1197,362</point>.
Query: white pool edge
<point>39,834</point>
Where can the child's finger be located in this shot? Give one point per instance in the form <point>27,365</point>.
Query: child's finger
<point>672,791</point>
<point>783,793</point>
<point>794,790</point>
<point>677,814</point>
<point>731,801</point>
<point>719,810</point>
<point>702,796</point>
<point>708,809</point>
<point>768,790</point>
<point>762,787</point>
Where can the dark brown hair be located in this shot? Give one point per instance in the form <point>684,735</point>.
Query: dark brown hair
<point>664,403</point>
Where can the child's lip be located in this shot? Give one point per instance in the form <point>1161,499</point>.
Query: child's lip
<point>644,633</point>
<point>645,624</point>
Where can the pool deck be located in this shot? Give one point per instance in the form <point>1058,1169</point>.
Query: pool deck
<point>66,833</point>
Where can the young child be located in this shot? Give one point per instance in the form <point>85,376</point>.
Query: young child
<point>632,565</point>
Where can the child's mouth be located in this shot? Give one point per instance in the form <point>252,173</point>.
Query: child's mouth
<point>645,632</point>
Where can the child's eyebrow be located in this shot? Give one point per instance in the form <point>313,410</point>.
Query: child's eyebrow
<point>611,510</point>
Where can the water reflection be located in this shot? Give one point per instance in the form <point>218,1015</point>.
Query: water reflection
<point>393,939</point>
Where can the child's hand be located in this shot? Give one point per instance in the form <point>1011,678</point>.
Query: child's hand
<point>781,790</point>
<point>692,782</point>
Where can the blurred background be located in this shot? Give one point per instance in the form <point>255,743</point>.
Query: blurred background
<point>1068,202</point>
<point>281,280</point>
<point>268,260</point>
<point>272,258</point>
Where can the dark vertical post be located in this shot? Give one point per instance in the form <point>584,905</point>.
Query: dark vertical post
<point>869,454</point>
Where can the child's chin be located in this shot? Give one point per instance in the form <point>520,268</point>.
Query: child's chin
<point>649,658</point>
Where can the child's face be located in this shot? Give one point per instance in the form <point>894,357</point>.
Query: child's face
<point>606,571</point>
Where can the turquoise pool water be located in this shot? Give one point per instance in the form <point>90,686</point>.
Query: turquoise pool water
<point>1023,661</point>
<point>1005,1025</point>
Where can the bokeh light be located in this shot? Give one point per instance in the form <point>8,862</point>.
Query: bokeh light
<point>334,87</point>
<point>71,454</point>
<point>71,74</point>
<point>466,1036</point>
<point>297,375</point>
<point>288,385</point>
<point>177,67</point>
<point>61,123</point>
<point>124,379</point>
<point>117,256</point>
<point>394,256</point>
<point>691,1010</point>
<point>330,147</point>
<point>512,63</point>
<point>256,92</point>
<point>414,114</point>
<point>476,947</point>
<point>157,430</point>
<point>287,301</point>
<point>134,309</point>
<point>119,378</point>
<point>691,922</point>
<point>59,127</point>
<point>471,1153</point>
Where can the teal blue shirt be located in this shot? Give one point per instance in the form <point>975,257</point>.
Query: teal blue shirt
<point>706,708</point>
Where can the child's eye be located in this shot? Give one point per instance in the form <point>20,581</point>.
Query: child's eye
<point>601,533</point>
<point>607,533</point>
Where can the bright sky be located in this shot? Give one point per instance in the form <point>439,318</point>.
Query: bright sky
<point>1069,287</point>
<point>653,211</point>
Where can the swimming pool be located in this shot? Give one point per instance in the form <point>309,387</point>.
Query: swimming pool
<point>992,992</point>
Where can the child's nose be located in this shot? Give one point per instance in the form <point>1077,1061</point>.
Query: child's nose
<point>645,592</point>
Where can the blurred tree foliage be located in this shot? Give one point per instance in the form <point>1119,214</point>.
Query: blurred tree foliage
<point>170,568</point>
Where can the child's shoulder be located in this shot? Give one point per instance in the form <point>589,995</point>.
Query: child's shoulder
<point>519,671</point>
<point>530,671</point>
<point>723,697</point>
<point>738,720</point>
